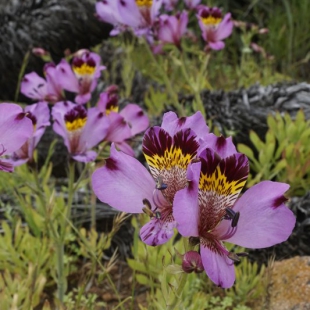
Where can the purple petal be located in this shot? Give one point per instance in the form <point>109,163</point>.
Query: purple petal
<point>118,129</point>
<point>15,127</point>
<point>224,147</point>
<point>95,129</point>
<point>6,166</point>
<point>129,13</point>
<point>66,77</point>
<point>33,86</point>
<point>59,126</point>
<point>185,204</point>
<point>156,5</point>
<point>136,118</point>
<point>85,157</point>
<point>225,28</point>
<point>123,183</point>
<point>83,98</point>
<point>264,219</point>
<point>217,46</point>
<point>107,11</point>
<point>172,124</point>
<point>42,114</point>
<point>219,268</point>
<point>157,232</point>
<point>125,148</point>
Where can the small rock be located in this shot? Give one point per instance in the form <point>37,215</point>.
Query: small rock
<point>290,284</point>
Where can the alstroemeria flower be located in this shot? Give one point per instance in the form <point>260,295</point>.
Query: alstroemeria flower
<point>82,77</point>
<point>80,128</point>
<point>15,129</point>
<point>39,114</point>
<point>140,15</point>
<point>123,125</point>
<point>35,87</point>
<point>209,210</point>
<point>125,184</point>
<point>214,27</point>
<point>172,28</point>
<point>107,11</point>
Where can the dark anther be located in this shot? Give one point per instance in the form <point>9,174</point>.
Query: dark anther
<point>235,219</point>
<point>148,210</point>
<point>160,185</point>
<point>193,241</point>
<point>234,257</point>
<point>234,216</point>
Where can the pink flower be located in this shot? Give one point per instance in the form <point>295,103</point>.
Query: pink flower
<point>129,187</point>
<point>214,27</point>
<point>80,128</point>
<point>209,210</point>
<point>172,28</point>
<point>35,87</point>
<point>39,114</point>
<point>123,125</point>
<point>140,15</point>
<point>15,129</point>
<point>82,77</point>
<point>107,11</point>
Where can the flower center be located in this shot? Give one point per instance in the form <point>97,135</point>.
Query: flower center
<point>82,67</point>
<point>144,3</point>
<point>76,118</point>
<point>211,20</point>
<point>112,105</point>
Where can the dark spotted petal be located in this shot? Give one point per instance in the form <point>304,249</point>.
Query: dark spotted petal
<point>221,181</point>
<point>168,158</point>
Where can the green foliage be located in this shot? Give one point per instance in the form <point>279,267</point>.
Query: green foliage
<point>284,156</point>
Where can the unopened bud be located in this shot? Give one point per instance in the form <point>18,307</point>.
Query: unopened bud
<point>192,262</point>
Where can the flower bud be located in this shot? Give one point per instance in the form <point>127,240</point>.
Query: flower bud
<point>192,262</point>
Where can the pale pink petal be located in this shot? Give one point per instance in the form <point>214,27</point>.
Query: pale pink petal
<point>185,204</point>
<point>123,183</point>
<point>118,130</point>
<point>136,118</point>
<point>264,219</point>
<point>219,268</point>
<point>85,157</point>
<point>225,28</point>
<point>34,86</point>
<point>157,232</point>
<point>66,77</point>
<point>172,124</point>
<point>125,147</point>
<point>15,128</point>
<point>224,147</point>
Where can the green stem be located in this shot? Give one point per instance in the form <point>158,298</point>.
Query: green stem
<point>93,210</point>
<point>167,82</point>
<point>20,75</point>
<point>60,252</point>
<point>70,188</point>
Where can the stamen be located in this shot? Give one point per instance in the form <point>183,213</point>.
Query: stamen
<point>229,233</point>
<point>234,257</point>
<point>148,210</point>
<point>160,185</point>
<point>233,216</point>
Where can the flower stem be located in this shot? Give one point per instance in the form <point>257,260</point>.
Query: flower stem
<point>167,82</point>
<point>70,188</point>
<point>60,253</point>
